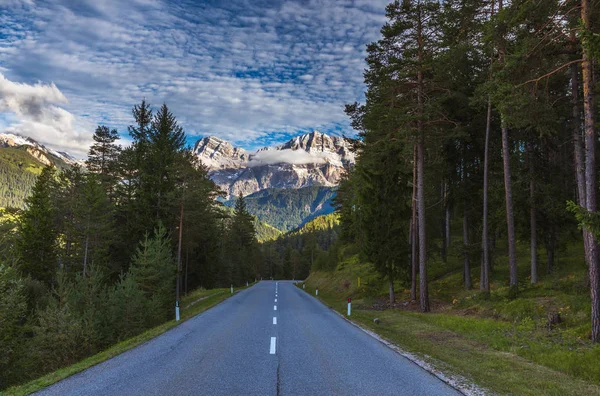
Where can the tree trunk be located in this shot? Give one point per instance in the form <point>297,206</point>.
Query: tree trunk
<point>446,224</point>
<point>578,147</point>
<point>484,280</point>
<point>549,253</point>
<point>414,238</point>
<point>510,221</point>
<point>423,288</point>
<point>85,255</point>
<point>391,287</point>
<point>532,215</point>
<point>590,172</point>
<point>178,286</point>
<point>187,261</point>
<point>467,269</point>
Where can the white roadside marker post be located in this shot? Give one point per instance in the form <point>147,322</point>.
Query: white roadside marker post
<point>317,292</point>
<point>349,305</point>
<point>246,283</point>
<point>177,311</point>
<point>231,289</point>
<point>303,286</point>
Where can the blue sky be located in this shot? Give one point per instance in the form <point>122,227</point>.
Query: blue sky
<point>254,72</point>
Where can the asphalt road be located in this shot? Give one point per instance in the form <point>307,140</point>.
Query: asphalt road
<point>270,339</point>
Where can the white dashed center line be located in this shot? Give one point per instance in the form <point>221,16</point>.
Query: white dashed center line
<point>273,342</point>
<point>275,300</point>
<point>274,319</point>
<point>274,307</point>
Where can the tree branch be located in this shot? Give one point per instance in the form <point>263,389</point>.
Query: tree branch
<point>536,80</point>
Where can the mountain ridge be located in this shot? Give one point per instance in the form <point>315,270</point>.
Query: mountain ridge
<point>312,159</point>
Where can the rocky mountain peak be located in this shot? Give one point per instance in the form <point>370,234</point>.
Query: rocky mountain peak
<point>216,153</point>
<point>312,159</point>
<point>45,155</point>
<point>333,149</point>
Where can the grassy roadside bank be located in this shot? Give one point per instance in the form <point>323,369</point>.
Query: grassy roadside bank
<point>193,304</point>
<point>516,356</point>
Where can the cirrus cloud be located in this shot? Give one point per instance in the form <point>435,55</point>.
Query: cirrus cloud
<point>39,115</point>
<point>250,72</point>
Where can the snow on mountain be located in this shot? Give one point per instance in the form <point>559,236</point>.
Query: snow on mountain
<point>312,159</point>
<point>217,153</point>
<point>45,155</point>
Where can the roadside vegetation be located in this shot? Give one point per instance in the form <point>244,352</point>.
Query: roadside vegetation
<point>506,345</point>
<point>193,304</point>
<point>95,256</point>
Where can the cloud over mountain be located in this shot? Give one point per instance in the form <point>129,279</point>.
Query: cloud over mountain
<point>287,156</point>
<point>253,72</point>
<point>38,114</point>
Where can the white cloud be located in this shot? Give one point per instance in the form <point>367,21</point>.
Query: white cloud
<point>38,115</point>
<point>241,70</point>
<point>288,156</point>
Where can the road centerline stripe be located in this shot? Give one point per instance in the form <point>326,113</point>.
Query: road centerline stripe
<point>274,307</point>
<point>274,319</point>
<point>275,300</point>
<point>273,342</point>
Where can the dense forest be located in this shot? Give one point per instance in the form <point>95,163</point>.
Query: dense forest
<point>482,113</point>
<point>288,209</point>
<point>102,253</point>
<point>18,172</point>
<point>477,140</point>
<point>295,253</point>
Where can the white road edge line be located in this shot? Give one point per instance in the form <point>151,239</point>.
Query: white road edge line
<point>274,319</point>
<point>457,382</point>
<point>273,341</point>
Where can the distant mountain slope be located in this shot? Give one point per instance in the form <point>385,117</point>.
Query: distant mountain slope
<point>287,209</point>
<point>265,232</point>
<point>21,161</point>
<point>18,173</point>
<point>312,159</point>
<point>326,222</point>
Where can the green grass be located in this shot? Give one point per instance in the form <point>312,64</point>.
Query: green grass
<point>193,304</point>
<point>499,343</point>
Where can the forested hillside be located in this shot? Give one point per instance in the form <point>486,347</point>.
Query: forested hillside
<point>293,254</point>
<point>101,255</point>
<point>18,172</point>
<point>474,192</point>
<point>287,209</point>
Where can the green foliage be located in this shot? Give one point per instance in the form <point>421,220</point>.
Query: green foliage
<point>103,157</point>
<point>13,311</point>
<point>243,260</point>
<point>115,279</point>
<point>287,209</point>
<point>153,270</point>
<point>127,309</point>
<point>265,232</point>
<point>295,253</point>
<point>58,334</point>
<point>18,173</point>
<point>37,239</point>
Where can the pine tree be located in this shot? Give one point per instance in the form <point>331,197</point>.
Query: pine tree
<point>103,157</point>
<point>37,237</point>
<point>242,241</point>
<point>94,222</point>
<point>166,142</point>
<point>13,311</point>
<point>154,269</point>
